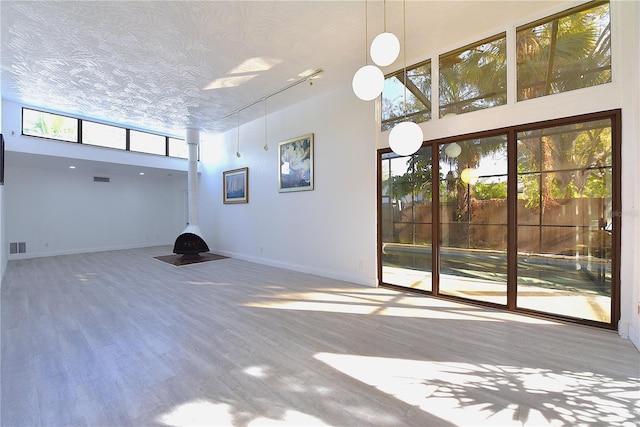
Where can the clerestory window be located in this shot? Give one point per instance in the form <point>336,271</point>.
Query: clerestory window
<point>568,51</point>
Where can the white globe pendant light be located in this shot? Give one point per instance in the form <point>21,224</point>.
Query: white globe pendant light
<point>385,49</point>
<point>405,138</point>
<point>453,150</point>
<point>368,82</point>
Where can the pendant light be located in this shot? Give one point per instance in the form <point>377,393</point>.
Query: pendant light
<point>385,47</point>
<point>405,138</point>
<point>368,81</point>
<point>453,150</point>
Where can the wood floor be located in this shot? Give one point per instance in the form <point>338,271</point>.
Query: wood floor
<point>120,338</point>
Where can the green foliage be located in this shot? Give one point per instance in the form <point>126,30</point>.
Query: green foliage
<point>568,53</point>
<point>414,184</point>
<point>572,161</point>
<point>492,190</point>
<point>474,79</point>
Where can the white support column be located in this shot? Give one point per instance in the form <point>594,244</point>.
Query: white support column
<point>193,140</point>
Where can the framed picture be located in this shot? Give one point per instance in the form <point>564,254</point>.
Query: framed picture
<point>295,162</point>
<point>236,186</point>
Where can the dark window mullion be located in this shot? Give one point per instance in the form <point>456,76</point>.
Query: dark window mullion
<point>512,219</point>
<point>435,219</point>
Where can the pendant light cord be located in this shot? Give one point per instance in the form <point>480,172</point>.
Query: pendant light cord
<point>404,54</point>
<point>366,32</point>
<point>384,15</point>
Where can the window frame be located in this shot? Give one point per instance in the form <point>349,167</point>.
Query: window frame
<point>469,101</point>
<point>557,17</point>
<point>615,117</point>
<point>78,126</point>
<point>80,136</point>
<point>424,98</point>
<point>511,39</point>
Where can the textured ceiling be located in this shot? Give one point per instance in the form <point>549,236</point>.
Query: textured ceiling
<point>168,65</point>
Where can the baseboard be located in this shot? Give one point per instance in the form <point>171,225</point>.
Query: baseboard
<point>30,255</point>
<point>336,275</point>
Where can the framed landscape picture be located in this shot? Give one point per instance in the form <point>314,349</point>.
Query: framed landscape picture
<point>235,186</point>
<point>295,162</point>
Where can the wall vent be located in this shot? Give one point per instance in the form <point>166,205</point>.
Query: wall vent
<point>101,179</point>
<point>17,247</point>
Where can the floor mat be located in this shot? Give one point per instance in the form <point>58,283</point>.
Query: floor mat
<point>179,260</point>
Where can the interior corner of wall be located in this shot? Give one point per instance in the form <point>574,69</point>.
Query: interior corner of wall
<point>623,329</point>
<point>633,334</point>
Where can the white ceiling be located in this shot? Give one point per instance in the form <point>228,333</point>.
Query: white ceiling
<point>168,65</point>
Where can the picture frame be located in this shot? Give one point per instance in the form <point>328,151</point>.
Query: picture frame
<point>295,164</point>
<point>235,186</point>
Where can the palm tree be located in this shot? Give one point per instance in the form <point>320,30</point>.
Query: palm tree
<point>474,78</point>
<point>570,52</point>
<point>567,53</point>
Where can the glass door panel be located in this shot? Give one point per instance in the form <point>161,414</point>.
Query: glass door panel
<point>564,215</point>
<point>473,219</point>
<point>406,219</point>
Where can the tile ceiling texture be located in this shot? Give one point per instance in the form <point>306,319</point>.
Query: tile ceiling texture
<point>168,65</point>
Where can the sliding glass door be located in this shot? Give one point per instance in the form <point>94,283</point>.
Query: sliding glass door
<point>565,220</point>
<point>406,219</point>
<point>473,219</point>
<point>522,218</point>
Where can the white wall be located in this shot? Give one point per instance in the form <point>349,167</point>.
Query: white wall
<point>65,211</point>
<point>3,228</point>
<point>56,210</point>
<point>3,235</point>
<point>629,49</point>
<point>330,230</point>
<point>3,243</point>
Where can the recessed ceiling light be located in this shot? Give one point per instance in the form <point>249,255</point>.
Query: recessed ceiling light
<point>72,167</point>
<point>141,173</point>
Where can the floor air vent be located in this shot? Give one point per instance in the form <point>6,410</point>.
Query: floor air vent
<point>100,179</point>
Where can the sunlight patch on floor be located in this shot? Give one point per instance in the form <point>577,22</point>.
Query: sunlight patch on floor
<point>198,413</point>
<point>206,413</point>
<point>396,304</point>
<point>290,418</point>
<point>492,395</point>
